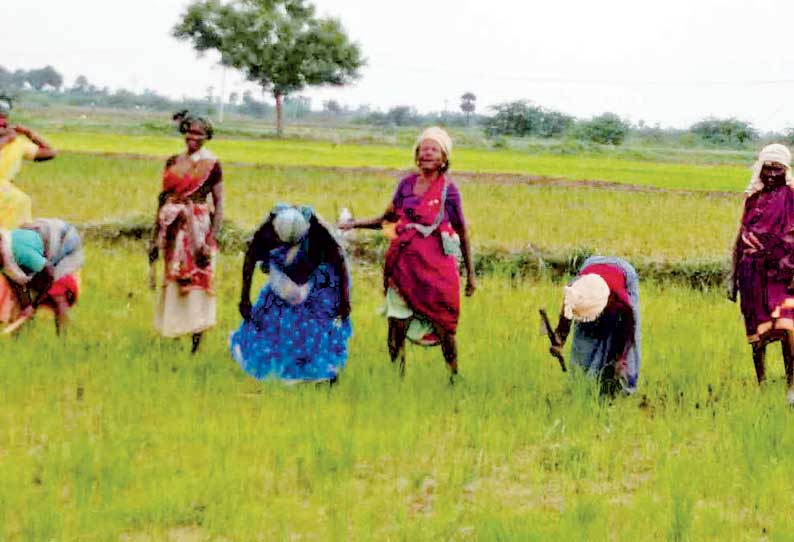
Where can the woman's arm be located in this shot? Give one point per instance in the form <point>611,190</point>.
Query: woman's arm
<point>369,223</point>
<point>45,152</point>
<point>40,283</point>
<point>465,250</point>
<point>454,209</point>
<point>733,276</point>
<point>161,199</point>
<point>263,241</point>
<point>217,200</point>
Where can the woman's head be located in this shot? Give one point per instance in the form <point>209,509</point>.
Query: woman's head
<point>196,129</point>
<point>585,298</point>
<point>432,150</point>
<point>291,223</point>
<point>772,169</point>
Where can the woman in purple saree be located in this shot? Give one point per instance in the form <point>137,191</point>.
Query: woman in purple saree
<point>763,261</point>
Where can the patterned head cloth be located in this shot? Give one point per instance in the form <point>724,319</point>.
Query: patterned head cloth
<point>440,136</point>
<point>291,223</point>
<point>771,153</point>
<point>585,298</point>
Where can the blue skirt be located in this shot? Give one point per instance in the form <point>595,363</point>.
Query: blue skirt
<point>305,342</point>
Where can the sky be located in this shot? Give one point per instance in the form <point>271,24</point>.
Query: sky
<point>670,63</point>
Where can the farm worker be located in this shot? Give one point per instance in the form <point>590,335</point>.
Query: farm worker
<point>603,303</point>
<point>16,143</point>
<point>298,329</point>
<point>428,236</point>
<point>763,260</point>
<point>189,215</point>
<point>43,256</point>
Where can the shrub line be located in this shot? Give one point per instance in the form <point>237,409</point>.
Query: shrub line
<point>529,262</point>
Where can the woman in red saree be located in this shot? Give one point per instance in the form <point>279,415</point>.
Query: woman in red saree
<point>189,215</point>
<point>420,275</point>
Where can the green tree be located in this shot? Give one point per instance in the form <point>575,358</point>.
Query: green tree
<point>607,129</point>
<point>523,118</point>
<point>279,44</point>
<point>724,131</point>
<point>44,77</point>
<point>468,103</point>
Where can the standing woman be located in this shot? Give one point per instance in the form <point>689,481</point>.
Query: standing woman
<point>189,215</point>
<point>420,274</point>
<point>17,143</point>
<point>763,261</point>
<point>299,328</point>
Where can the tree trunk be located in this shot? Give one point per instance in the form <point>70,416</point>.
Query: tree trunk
<point>279,120</point>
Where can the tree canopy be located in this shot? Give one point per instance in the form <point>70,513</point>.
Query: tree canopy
<point>279,44</point>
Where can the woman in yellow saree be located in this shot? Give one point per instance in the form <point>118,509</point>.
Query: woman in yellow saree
<point>17,143</point>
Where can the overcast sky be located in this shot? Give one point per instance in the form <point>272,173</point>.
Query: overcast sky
<point>671,62</point>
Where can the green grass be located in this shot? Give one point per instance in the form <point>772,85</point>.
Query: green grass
<point>300,153</point>
<point>640,225</point>
<point>116,434</point>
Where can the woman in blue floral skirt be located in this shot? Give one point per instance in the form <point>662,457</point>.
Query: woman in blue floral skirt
<point>299,327</point>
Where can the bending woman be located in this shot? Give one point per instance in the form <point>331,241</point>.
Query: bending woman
<point>603,302</point>
<point>41,263</point>
<point>299,328</point>
<point>17,143</point>
<point>420,274</point>
<point>189,215</point>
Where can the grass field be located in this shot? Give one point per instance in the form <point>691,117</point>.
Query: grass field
<point>663,226</point>
<point>732,178</point>
<point>118,435</point>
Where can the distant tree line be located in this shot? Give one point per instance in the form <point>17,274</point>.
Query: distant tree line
<point>520,118</point>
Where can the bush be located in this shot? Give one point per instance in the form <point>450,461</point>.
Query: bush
<point>523,118</point>
<point>724,131</point>
<point>607,129</point>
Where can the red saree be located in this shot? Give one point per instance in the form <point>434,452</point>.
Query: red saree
<point>185,233</point>
<point>417,264</point>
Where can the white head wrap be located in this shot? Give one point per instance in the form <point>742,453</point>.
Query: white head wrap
<point>585,298</point>
<point>439,135</point>
<point>290,225</point>
<point>775,152</point>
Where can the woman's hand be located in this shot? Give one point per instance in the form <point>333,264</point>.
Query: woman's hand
<point>344,309</point>
<point>731,288</point>
<point>154,252</point>
<point>751,242</point>
<point>471,285</point>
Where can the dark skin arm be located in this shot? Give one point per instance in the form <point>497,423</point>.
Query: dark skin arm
<point>61,313</point>
<point>45,152</point>
<point>264,240</point>
<point>733,281</point>
<point>217,199</point>
<point>154,252</point>
<point>40,283</point>
<point>560,334</point>
<point>471,279</point>
<point>369,223</point>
